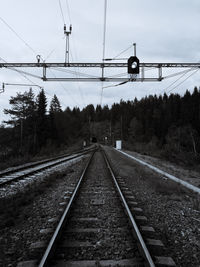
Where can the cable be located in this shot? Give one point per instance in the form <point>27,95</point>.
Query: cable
<point>65,88</point>
<point>118,75</point>
<point>18,35</point>
<point>78,85</point>
<point>178,73</point>
<point>20,72</point>
<point>75,72</point>
<point>25,72</point>
<point>52,51</point>
<point>185,72</point>
<point>68,10</point>
<point>22,84</point>
<point>104,47</point>
<point>183,81</point>
<point>61,12</point>
<point>104,29</point>
<point>114,85</point>
<point>122,52</point>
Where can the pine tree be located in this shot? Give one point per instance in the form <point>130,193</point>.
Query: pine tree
<point>55,105</point>
<point>42,121</point>
<point>22,115</point>
<point>55,108</point>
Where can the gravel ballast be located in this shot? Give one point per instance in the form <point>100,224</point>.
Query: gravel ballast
<point>172,210</point>
<point>25,223</point>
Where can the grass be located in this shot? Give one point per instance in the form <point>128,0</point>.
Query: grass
<point>46,152</point>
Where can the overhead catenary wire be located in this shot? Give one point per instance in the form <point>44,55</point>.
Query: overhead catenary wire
<point>104,29</point>
<point>114,85</point>
<point>69,16</point>
<point>104,47</point>
<point>122,52</point>
<point>75,72</point>
<point>61,11</point>
<point>183,74</point>
<point>25,73</point>
<point>68,11</point>
<point>183,81</point>
<point>65,89</point>
<point>23,84</point>
<point>18,35</point>
<point>20,72</point>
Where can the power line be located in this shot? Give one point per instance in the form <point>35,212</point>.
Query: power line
<point>183,81</point>
<point>104,29</point>
<point>122,52</point>
<point>74,44</point>
<point>104,46</point>
<point>183,74</point>
<point>65,89</point>
<point>18,35</point>
<point>52,51</point>
<point>68,10</point>
<point>20,72</point>
<point>61,10</point>
<point>75,72</point>
<point>114,85</point>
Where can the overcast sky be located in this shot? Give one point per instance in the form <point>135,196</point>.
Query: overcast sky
<point>165,31</point>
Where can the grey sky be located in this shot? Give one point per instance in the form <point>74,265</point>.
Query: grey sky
<point>165,31</point>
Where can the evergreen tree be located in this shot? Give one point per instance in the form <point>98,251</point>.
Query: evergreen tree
<point>55,105</point>
<point>22,115</point>
<point>42,121</point>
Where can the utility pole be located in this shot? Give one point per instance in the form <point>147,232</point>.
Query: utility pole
<point>134,49</point>
<point>67,33</point>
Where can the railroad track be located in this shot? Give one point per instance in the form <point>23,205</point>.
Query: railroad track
<point>99,225</point>
<point>21,172</point>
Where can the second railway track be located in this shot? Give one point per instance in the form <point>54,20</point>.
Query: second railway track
<point>98,227</point>
<point>19,173</point>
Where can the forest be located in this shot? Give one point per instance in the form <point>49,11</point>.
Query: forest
<point>165,126</point>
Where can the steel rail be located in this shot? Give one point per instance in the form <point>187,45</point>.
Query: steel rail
<point>50,165</point>
<point>51,246</point>
<point>135,228</point>
<point>33,164</point>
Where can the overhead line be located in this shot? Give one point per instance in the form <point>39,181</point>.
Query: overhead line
<point>104,45</point>
<point>104,29</point>
<point>75,72</point>
<point>68,10</point>
<point>183,74</point>
<point>61,12</point>
<point>78,84</point>
<point>18,35</point>
<point>182,81</point>
<point>122,52</point>
<point>21,73</point>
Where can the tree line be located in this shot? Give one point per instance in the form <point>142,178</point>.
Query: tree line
<point>163,122</point>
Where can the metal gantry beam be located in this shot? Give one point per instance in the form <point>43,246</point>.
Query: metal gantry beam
<point>66,65</point>
<point>100,79</point>
<point>97,65</point>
